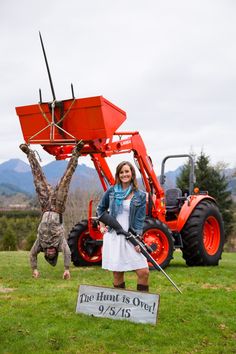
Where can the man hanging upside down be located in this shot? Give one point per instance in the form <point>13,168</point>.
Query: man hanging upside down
<point>51,234</point>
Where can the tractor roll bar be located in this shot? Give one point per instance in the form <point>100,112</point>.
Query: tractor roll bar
<point>191,174</point>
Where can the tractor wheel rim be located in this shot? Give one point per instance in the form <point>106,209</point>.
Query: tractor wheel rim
<point>157,237</point>
<point>211,235</point>
<point>95,257</point>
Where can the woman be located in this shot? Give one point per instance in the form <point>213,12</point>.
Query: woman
<point>127,204</point>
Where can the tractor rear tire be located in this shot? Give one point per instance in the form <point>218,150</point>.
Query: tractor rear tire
<point>203,235</point>
<point>83,253</point>
<point>156,233</point>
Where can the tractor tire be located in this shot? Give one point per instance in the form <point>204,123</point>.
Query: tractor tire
<point>157,234</point>
<point>83,253</point>
<point>203,235</point>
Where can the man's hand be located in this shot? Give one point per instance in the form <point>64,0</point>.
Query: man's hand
<point>66,274</point>
<point>36,273</point>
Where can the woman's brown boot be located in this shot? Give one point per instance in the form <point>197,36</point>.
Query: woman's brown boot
<point>141,287</point>
<point>120,286</point>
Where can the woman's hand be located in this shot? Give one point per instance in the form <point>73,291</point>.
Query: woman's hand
<point>137,248</point>
<point>103,229</point>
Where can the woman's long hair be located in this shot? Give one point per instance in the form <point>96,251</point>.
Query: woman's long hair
<point>133,179</point>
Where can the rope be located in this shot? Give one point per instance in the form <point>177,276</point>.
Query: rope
<point>35,151</point>
<point>38,155</point>
<point>52,124</point>
<point>44,114</point>
<point>64,116</point>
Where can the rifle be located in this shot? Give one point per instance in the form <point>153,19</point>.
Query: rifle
<point>109,220</point>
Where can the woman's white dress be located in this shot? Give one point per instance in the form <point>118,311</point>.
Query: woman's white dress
<point>118,254</point>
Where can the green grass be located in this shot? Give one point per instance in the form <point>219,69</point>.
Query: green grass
<point>38,316</point>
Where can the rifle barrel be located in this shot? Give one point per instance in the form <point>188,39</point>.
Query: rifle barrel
<point>135,242</point>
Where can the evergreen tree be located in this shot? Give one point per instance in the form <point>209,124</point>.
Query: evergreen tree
<point>212,180</point>
<point>9,239</point>
<point>3,226</point>
<point>30,240</point>
<point>17,232</point>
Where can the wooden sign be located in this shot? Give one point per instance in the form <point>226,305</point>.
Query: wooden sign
<point>118,304</point>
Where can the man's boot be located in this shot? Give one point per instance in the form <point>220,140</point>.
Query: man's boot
<point>25,148</point>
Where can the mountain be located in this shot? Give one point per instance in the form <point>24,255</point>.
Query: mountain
<point>232,185</point>
<point>8,189</point>
<point>15,165</point>
<point>170,178</point>
<point>16,176</point>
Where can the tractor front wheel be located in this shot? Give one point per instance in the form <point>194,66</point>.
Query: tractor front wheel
<point>157,235</point>
<point>203,235</point>
<point>84,252</point>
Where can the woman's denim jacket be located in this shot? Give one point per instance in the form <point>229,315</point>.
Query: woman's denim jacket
<point>137,208</point>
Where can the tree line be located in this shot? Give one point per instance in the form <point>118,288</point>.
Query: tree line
<point>17,233</point>
<point>18,229</point>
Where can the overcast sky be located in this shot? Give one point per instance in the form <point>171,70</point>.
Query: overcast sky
<point>171,65</point>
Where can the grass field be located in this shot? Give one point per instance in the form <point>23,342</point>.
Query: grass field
<point>38,316</point>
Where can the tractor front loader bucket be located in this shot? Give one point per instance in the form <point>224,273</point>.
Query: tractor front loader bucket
<point>64,122</point>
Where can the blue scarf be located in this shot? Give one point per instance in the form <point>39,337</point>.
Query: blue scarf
<point>120,195</point>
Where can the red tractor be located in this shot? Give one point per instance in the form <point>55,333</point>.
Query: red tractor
<point>189,221</point>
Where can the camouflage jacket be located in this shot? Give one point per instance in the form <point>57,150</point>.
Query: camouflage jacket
<point>63,247</point>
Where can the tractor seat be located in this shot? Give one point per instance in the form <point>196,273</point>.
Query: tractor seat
<point>172,201</point>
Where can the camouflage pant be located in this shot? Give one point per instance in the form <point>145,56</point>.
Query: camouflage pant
<point>52,198</point>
